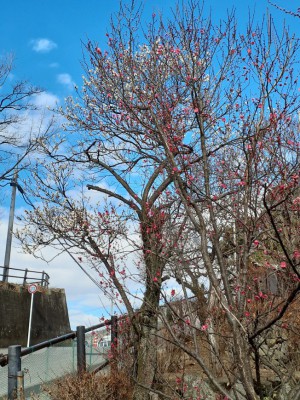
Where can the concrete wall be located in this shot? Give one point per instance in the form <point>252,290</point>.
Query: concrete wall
<point>49,317</point>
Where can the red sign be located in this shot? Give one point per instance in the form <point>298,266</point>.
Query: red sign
<point>32,288</point>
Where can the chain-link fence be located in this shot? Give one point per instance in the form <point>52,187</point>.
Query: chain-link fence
<point>43,366</point>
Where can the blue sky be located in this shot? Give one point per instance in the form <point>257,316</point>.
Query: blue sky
<point>66,23</point>
<point>46,40</point>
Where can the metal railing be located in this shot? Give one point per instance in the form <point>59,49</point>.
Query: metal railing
<point>15,353</point>
<point>26,276</point>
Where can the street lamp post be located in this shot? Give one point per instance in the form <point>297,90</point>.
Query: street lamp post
<point>14,185</point>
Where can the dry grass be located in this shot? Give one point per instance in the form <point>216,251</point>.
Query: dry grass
<point>90,387</point>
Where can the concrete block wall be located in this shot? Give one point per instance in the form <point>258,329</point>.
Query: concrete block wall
<point>50,316</point>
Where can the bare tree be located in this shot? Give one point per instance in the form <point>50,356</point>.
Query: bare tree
<point>192,131</point>
<point>16,100</point>
<point>127,226</point>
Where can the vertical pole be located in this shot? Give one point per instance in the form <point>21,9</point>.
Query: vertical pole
<point>73,356</point>
<point>114,343</point>
<point>20,384</point>
<point>81,359</point>
<point>10,228</point>
<point>91,349</point>
<point>30,320</point>
<point>14,366</point>
<point>25,277</point>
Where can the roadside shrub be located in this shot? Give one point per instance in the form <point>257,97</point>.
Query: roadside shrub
<point>90,387</point>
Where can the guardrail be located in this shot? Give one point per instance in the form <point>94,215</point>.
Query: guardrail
<point>26,277</point>
<point>14,357</point>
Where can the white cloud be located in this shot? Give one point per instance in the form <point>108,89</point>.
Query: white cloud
<point>77,318</point>
<point>66,80</point>
<point>43,45</point>
<point>46,99</point>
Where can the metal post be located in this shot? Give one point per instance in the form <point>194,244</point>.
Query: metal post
<point>30,320</point>
<point>73,355</point>
<point>25,277</point>
<point>91,349</point>
<point>14,366</point>
<point>10,228</point>
<point>81,360</point>
<point>20,384</point>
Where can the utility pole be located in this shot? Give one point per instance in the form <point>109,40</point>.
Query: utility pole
<point>14,185</point>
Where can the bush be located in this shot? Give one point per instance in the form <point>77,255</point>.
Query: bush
<point>90,387</point>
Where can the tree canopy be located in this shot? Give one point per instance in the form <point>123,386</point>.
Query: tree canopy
<point>189,133</point>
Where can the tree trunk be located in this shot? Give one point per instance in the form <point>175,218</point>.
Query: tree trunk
<point>244,363</point>
<point>146,358</point>
<point>146,329</point>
